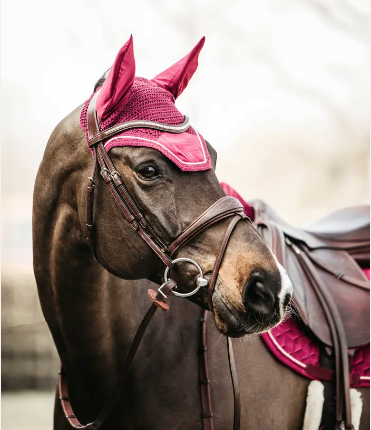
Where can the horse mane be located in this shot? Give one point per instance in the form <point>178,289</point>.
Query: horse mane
<point>100,81</point>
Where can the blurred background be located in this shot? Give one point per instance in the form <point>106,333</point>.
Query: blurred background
<point>282,92</point>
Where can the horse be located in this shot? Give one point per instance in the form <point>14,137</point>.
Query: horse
<point>94,241</point>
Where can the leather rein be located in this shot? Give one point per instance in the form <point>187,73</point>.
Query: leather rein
<point>226,207</point>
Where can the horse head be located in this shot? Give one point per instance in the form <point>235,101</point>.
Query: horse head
<point>170,178</point>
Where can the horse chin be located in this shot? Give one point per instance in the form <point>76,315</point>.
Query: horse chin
<point>234,323</point>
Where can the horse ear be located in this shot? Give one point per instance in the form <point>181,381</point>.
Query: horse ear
<point>116,87</point>
<point>175,79</point>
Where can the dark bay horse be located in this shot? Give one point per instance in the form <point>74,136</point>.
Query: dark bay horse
<point>88,267</point>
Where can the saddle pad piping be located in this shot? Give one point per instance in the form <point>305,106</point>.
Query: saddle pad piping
<point>357,379</point>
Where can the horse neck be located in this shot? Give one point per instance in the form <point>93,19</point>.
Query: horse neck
<point>89,314</point>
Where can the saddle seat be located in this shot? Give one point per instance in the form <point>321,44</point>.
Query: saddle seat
<point>343,225</point>
<point>335,247</point>
<point>350,226</point>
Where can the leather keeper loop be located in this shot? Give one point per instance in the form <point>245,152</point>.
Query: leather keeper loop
<point>202,349</point>
<point>106,175</point>
<point>116,178</point>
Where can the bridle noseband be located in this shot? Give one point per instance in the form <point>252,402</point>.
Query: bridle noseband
<point>226,207</point>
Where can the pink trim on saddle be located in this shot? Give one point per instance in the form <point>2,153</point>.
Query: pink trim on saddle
<point>296,349</point>
<point>294,346</point>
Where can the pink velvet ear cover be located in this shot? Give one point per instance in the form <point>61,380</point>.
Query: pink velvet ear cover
<point>175,79</point>
<point>120,79</point>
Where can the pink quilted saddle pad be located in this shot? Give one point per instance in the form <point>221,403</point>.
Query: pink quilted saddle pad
<point>298,349</point>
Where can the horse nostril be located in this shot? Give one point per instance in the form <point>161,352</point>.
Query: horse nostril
<point>258,298</point>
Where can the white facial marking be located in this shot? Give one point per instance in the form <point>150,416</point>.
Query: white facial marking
<point>286,285</point>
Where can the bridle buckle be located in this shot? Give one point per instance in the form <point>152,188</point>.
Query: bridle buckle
<point>105,171</point>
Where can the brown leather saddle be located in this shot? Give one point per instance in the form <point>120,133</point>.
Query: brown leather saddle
<point>331,292</point>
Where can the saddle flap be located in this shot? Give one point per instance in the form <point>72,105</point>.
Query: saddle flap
<point>352,301</point>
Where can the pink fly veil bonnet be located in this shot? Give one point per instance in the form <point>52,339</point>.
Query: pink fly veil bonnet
<point>124,97</point>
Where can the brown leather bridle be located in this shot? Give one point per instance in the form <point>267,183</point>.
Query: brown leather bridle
<point>226,207</point>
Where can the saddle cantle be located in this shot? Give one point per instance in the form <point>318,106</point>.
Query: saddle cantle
<point>336,246</point>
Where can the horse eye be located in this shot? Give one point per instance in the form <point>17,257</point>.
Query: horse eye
<point>147,172</point>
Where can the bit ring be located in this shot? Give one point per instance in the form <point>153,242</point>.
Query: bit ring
<point>201,281</point>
